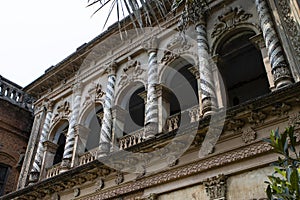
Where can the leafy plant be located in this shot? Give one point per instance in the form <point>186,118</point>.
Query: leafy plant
<point>284,183</point>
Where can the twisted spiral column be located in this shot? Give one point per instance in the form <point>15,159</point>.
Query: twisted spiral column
<point>280,69</point>
<point>38,159</point>
<point>70,140</point>
<point>207,88</point>
<point>106,128</point>
<point>151,111</point>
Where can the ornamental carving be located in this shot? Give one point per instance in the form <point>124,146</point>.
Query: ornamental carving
<point>281,109</point>
<point>131,72</point>
<point>290,25</point>
<point>179,44</point>
<point>216,187</point>
<point>234,125</point>
<point>95,93</point>
<point>100,185</point>
<point>62,111</point>
<point>55,196</point>
<point>119,178</point>
<point>168,57</point>
<point>76,192</point>
<point>294,120</point>
<point>257,118</point>
<point>281,73</point>
<point>229,20</point>
<point>248,135</point>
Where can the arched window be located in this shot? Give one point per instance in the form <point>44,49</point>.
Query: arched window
<point>60,140</point>
<point>242,68</point>
<point>134,119</point>
<point>181,88</point>
<point>94,122</point>
<point>4,169</point>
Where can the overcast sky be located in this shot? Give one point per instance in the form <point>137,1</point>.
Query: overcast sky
<point>36,34</point>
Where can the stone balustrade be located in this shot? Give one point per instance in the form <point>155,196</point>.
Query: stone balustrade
<point>172,123</point>
<point>88,156</point>
<point>194,114</point>
<point>14,94</point>
<point>53,171</point>
<point>132,139</point>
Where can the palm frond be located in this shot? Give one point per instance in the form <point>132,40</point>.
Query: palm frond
<point>141,12</point>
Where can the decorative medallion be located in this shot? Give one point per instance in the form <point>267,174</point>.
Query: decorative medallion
<point>229,20</point>
<point>62,111</point>
<point>131,72</point>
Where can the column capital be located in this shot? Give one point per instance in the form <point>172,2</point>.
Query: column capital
<point>258,41</point>
<point>77,87</point>
<point>48,104</point>
<point>151,45</point>
<point>50,146</point>
<point>118,112</point>
<point>195,71</point>
<point>111,68</point>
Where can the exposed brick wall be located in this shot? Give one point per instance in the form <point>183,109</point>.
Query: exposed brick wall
<point>15,126</point>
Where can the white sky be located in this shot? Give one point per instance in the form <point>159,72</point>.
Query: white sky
<point>36,34</point>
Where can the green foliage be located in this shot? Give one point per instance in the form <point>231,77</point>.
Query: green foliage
<point>284,183</point>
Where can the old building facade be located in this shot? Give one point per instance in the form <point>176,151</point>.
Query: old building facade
<point>15,124</point>
<point>159,115</point>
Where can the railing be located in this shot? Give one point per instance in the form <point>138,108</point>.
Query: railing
<point>132,139</point>
<point>14,94</point>
<point>88,156</point>
<point>173,122</point>
<point>54,170</point>
<point>194,114</point>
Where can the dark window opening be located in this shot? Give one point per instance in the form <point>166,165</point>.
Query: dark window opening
<point>95,129</point>
<point>242,69</point>
<point>3,177</point>
<point>61,146</point>
<point>136,109</point>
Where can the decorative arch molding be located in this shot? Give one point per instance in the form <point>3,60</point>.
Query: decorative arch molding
<point>88,107</point>
<point>185,57</point>
<point>55,126</point>
<point>218,41</point>
<point>5,156</point>
<point>127,90</point>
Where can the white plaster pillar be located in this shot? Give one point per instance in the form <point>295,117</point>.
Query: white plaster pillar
<point>106,128</point>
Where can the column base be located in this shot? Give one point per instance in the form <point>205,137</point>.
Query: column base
<point>282,77</point>
<point>208,106</point>
<point>33,177</point>
<point>150,130</point>
<point>65,165</point>
<point>104,149</point>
